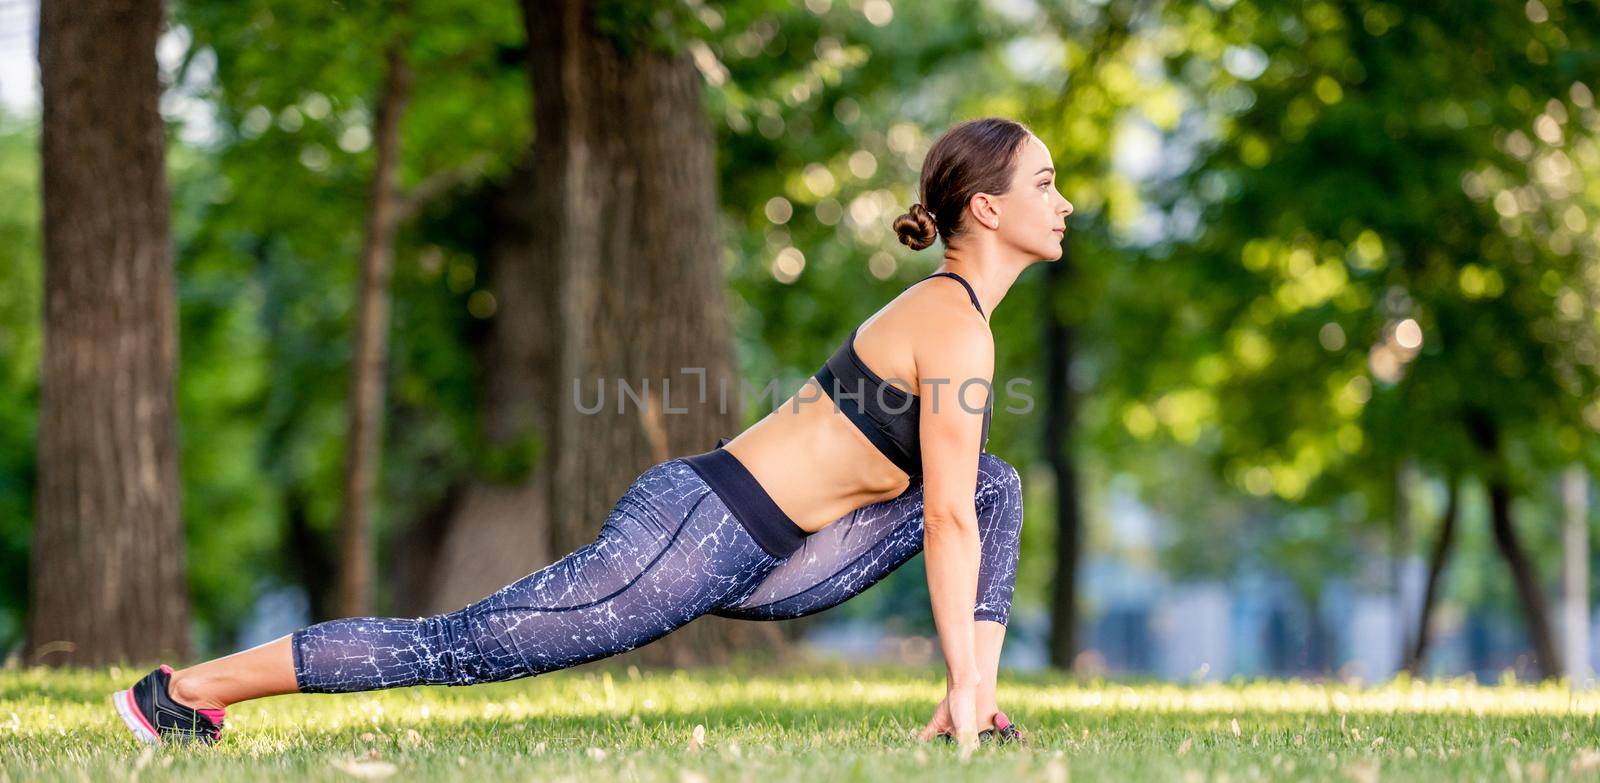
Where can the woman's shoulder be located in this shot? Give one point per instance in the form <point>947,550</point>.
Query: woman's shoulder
<point>928,319</point>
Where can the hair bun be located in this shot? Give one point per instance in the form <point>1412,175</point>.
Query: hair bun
<point>916,227</point>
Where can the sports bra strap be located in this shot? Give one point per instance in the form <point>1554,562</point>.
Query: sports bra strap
<point>964,284</point>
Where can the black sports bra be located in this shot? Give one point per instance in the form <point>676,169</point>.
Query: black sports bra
<point>887,415</point>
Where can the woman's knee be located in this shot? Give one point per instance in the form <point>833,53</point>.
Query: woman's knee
<point>441,653</point>
<point>1000,482</point>
<point>998,472</point>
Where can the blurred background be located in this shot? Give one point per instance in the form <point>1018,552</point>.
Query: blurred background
<point>294,294</point>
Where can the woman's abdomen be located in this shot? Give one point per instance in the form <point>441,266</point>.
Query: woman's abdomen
<point>814,462</point>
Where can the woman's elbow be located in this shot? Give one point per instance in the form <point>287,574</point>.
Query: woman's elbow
<point>949,521</point>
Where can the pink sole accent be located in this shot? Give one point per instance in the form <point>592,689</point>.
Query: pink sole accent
<point>128,709</point>
<point>214,714</point>
<point>1001,721</point>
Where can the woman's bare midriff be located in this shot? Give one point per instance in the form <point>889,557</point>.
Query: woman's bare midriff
<point>813,461</point>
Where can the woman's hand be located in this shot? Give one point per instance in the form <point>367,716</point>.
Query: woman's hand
<point>988,708</point>
<point>956,715</point>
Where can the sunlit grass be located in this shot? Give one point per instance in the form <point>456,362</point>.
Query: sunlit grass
<point>822,724</point>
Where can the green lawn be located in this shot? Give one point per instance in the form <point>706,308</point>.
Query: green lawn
<point>826,724</point>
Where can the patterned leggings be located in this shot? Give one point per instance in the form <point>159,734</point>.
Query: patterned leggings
<point>670,551</point>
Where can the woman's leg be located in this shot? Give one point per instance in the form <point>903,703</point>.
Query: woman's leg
<point>861,548</point>
<point>264,670</point>
<point>669,551</point>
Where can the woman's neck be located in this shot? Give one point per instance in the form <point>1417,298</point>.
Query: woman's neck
<point>986,269</point>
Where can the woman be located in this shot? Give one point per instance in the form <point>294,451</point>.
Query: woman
<point>816,502</point>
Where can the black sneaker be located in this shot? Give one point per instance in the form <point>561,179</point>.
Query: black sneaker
<point>1004,733</point>
<point>153,716</point>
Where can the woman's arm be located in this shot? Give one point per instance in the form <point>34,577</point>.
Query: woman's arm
<point>959,350</point>
<point>988,638</point>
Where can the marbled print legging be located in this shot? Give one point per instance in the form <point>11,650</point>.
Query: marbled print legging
<point>670,551</point>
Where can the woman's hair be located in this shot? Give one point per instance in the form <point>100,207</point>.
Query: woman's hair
<point>976,156</point>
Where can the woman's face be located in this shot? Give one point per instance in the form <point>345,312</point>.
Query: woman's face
<point>1033,214</point>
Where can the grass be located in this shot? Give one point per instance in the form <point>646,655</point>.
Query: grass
<point>822,724</point>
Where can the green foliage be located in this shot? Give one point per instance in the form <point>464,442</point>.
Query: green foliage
<point>511,462</point>
<point>811,118</point>
<point>1353,293</point>
<point>1330,170</point>
<point>1387,233</point>
<point>268,252</point>
<point>20,344</point>
<point>634,27</point>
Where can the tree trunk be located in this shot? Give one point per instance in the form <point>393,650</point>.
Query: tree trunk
<point>310,558</point>
<point>363,446</point>
<point>1400,547</point>
<point>107,566</point>
<point>621,161</point>
<point>1437,559</point>
<point>496,529</point>
<point>626,224</point>
<point>1060,414</point>
<point>1485,434</point>
<point>1523,578</point>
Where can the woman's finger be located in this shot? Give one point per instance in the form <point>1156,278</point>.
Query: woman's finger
<point>939,723</point>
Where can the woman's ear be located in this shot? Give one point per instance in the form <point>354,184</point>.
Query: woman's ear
<point>985,209</point>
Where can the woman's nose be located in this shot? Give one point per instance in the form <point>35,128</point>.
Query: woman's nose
<point>1068,207</point>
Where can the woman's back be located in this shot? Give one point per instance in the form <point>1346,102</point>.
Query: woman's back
<point>815,462</point>
<point>886,410</point>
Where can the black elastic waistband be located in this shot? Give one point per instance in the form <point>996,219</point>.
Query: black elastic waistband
<point>749,502</point>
